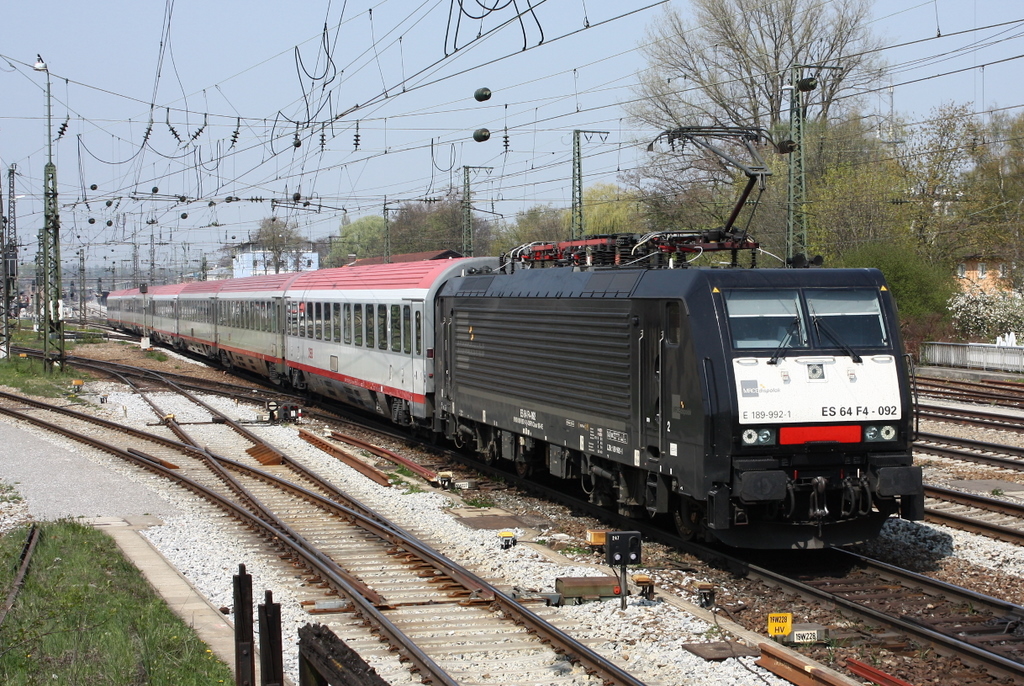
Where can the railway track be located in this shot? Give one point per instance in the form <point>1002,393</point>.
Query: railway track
<point>390,582</point>
<point>967,450</point>
<point>978,514</point>
<point>990,391</point>
<point>995,661</point>
<point>971,417</point>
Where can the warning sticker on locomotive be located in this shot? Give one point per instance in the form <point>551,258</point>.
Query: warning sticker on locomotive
<point>818,389</point>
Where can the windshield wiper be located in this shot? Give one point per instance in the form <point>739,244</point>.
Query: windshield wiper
<point>820,325</point>
<point>780,351</point>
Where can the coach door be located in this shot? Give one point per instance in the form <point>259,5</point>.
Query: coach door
<point>412,332</point>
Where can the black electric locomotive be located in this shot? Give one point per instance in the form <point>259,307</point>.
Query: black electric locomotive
<point>765,408</point>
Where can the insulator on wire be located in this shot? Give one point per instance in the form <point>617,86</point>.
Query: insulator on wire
<point>234,134</point>
<point>63,128</point>
<point>355,138</point>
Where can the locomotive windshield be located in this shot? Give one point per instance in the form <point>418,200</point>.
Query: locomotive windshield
<point>777,319</point>
<point>766,319</point>
<point>853,315</point>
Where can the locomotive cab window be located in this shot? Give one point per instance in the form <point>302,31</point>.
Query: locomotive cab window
<point>765,319</point>
<point>851,315</point>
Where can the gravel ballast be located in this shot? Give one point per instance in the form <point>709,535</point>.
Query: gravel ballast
<point>207,549</point>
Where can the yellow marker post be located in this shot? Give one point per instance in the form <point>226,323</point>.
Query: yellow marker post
<point>780,623</point>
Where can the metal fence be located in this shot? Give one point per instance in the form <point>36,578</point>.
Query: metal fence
<point>974,356</point>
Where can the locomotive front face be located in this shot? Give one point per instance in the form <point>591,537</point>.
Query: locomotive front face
<point>821,437</point>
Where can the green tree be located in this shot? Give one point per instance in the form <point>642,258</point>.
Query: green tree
<point>936,160</point>
<point>363,237</point>
<point>993,189</point>
<point>921,285</point>
<point>538,223</point>
<point>609,208</point>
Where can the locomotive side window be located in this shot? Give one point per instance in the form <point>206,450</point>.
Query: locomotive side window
<point>348,323</point>
<point>765,319</point>
<point>672,324</point>
<point>357,325</point>
<point>853,315</point>
<point>369,326</point>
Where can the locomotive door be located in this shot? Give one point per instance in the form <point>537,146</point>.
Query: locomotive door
<point>649,376</point>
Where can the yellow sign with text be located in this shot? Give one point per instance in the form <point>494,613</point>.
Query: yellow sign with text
<point>780,623</point>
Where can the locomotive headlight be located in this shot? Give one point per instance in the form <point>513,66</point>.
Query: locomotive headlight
<point>758,437</point>
<point>874,434</point>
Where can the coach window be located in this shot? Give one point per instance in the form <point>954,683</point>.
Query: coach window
<point>318,321</point>
<point>406,329</point>
<point>382,327</point>
<point>309,319</point>
<point>396,328</point>
<point>369,326</point>
<point>302,319</point>
<point>347,316</point>
<point>357,325</point>
<point>336,319</point>
<point>419,333</point>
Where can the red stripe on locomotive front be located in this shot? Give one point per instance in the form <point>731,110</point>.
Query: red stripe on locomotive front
<point>792,435</point>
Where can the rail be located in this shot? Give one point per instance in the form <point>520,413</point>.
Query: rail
<point>984,356</point>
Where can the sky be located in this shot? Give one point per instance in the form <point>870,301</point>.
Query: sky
<point>175,123</point>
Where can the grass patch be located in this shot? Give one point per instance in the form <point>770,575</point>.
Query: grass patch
<point>479,501</point>
<point>157,355</point>
<point>9,494</point>
<point>27,375</point>
<point>87,616</point>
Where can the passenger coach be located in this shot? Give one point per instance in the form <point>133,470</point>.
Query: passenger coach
<point>363,335</point>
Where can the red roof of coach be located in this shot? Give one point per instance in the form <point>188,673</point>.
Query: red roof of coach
<point>394,276</point>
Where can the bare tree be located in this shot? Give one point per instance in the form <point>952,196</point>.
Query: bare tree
<point>730,66</point>
<point>279,238</point>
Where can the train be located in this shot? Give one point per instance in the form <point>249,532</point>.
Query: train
<point>761,408</point>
